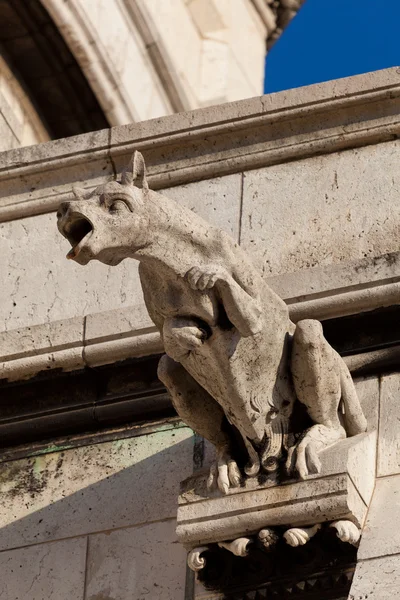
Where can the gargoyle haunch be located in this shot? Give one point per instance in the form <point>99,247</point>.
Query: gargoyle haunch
<point>235,366</point>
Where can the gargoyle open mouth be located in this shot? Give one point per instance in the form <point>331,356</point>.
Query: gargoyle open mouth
<point>77,231</point>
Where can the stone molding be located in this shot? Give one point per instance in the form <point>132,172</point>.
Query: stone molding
<point>64,111</point>
<point>112,336</point>
<point>209,142</point>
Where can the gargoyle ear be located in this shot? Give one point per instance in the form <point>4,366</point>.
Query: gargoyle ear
<point>135,172</point>
<point>79,193</point>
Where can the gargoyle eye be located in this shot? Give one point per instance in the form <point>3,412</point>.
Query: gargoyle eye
<point>118,205</point>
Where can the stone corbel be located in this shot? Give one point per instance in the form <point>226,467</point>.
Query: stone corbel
<point>293,511</point>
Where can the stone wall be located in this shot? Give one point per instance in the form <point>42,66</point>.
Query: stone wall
<point>378,569</point>
<point>96,521</point>
<point>307,181</point>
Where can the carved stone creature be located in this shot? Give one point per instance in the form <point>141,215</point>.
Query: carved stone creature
<point>235,364</point>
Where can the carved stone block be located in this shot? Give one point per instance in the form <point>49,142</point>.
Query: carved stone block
<point>341,491</point>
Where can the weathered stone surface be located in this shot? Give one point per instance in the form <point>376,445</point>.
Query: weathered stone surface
<point>136,563</point>
<point>377,579</point>
<point>113,324</point>
<point>342,217</point>
<point>37,186</point>
<point>54,571</point>
<point>93,488</point>
<point>38,263</point>
<point>381,535</point>
<point>345,277</point>
<point>210,142</point>
<point>389,438</point>
<point>220,519</point>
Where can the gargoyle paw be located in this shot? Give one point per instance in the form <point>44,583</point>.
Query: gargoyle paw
<point>204,278</point>
<point>304,459</point>
<point>224,474</point>
<point>182,335</point>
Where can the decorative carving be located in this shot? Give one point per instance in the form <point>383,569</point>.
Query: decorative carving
<point>298,536</point>
<point>323,568</point>
<point>271,396</point>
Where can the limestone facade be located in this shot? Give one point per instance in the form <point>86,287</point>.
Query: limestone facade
<point>307,181</point>
<point>164,56</point>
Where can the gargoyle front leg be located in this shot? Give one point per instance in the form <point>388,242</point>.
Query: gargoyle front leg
<point>242,309</point>
<point>182,335</point>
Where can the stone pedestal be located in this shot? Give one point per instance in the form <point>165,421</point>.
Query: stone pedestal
<point>342,490</point>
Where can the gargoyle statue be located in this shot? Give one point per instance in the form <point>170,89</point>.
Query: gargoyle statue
<point>235,365</point>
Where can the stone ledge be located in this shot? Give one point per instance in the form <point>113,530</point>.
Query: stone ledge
<point>205,143</point>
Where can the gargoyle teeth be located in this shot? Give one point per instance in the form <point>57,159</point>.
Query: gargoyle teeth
<point>73,253</point>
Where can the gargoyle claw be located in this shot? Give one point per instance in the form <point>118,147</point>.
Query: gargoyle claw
<point>303,459</point>
<point>224,474</point>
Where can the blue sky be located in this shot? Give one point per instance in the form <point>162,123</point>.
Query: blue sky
<point>329,39</point>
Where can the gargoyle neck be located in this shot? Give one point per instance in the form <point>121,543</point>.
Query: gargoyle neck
<point>171,232</point>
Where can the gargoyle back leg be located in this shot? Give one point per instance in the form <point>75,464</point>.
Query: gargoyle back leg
<point>202,413</point>
<point>316,375</point>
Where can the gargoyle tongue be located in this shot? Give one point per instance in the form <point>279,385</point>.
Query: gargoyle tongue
<point>73,253</point>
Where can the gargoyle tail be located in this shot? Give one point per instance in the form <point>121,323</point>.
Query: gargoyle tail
<point>354,419</point>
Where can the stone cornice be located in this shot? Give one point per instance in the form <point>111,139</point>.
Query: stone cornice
<point>209,142</point>
<point>106,338</point>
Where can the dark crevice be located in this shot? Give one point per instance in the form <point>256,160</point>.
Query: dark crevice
<point>45,67</point>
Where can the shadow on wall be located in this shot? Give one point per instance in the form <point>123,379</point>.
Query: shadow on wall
<point>99,490</point>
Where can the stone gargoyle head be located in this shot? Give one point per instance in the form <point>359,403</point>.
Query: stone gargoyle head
<point>110,223</point>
